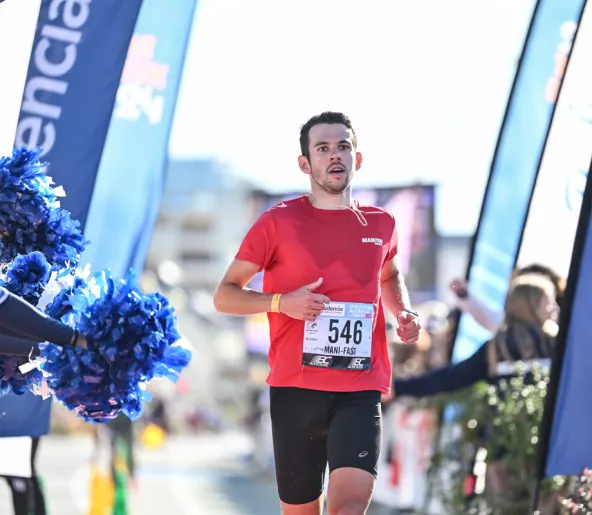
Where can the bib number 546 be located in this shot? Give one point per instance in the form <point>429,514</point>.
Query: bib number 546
<point>350,332</point>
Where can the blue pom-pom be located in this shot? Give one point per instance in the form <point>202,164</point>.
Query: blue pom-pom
<point>12,380</point>
<point>131,339</point>
<point>26,277</point>
<point>130,335</point>
<point>39,236</point>
<point>31,218</point>
<point>79,380</point>
<point>61,307</point>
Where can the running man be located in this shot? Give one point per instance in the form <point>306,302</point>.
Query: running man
<point>330,265</point>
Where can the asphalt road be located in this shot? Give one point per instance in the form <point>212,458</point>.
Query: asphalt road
<point>189,475</point>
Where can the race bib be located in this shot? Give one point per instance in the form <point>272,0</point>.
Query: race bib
<point>341,337</point>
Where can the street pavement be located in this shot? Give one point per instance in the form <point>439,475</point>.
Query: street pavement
<point>189,475</point>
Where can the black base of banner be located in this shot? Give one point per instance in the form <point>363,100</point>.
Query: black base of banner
<point>536,497</point>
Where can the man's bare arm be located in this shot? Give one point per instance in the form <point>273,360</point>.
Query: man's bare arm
<point>232,298</point>
<point>396,299</point>
<point>394,291</point>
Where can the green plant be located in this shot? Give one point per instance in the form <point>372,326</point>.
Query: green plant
<point>502,420</point>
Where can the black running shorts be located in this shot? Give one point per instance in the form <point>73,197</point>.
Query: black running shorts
<point>312,428</point>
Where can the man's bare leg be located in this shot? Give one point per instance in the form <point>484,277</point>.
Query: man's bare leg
<point>350,491</point>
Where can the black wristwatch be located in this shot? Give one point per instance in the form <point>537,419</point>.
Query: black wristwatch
<point>414,313</point>
<point>74,339</point>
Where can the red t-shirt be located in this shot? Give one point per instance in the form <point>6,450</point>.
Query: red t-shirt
<point>295,244</point>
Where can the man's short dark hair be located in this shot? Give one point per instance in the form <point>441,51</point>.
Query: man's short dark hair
<point>330,117</point>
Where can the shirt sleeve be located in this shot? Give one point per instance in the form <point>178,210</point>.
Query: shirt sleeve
<point>20,319</point>
<point>12,346</point>
<point>394,241</point>
<point>259,244</point>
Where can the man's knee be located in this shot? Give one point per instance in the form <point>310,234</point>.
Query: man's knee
<point>351,508</point>
<point>350,491</point>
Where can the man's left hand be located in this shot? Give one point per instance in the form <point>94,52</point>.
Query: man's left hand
<point>409,327</point>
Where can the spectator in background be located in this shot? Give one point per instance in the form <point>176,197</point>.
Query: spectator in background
<point>160,415</point>
<point>526,334</point>
<point>21,327</point>
<point>489,319</point>
<point>121,433</point>
<point>27,493</point>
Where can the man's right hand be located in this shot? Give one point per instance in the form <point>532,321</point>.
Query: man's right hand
<point>303,304</point>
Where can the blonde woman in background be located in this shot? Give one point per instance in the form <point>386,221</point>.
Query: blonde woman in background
<point>492,320</point>
<point>527,334</point>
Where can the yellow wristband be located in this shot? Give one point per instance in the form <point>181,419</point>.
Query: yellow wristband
<point>275,303</point>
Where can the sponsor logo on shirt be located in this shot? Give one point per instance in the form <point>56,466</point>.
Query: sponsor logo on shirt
<point>334,310</point>
<point>376,241</point>
<point>356,363</point>
<point>321,361</point>
<point>360,311</point>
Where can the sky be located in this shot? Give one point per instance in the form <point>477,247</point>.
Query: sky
<point>418,79</point>
<point>425,83</point>
<point>17,28</point>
